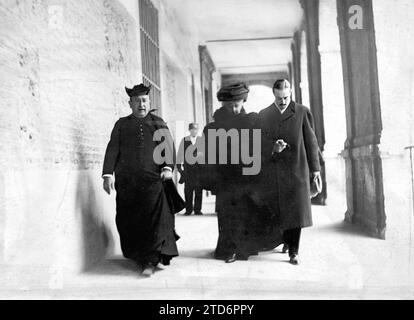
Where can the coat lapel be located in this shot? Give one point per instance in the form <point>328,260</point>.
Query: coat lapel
<point>290,111</point>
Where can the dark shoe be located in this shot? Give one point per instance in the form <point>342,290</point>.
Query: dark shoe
<point>166,260</point>
<point>285,248</point>
<point>231,258</point>
<point>198,213</point>
<point>148,270</point>
<point>242,257</point>
<point>140,267</point>
<point>187,214</point>
<point>294,259</point>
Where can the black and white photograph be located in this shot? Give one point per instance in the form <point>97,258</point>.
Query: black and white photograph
<point>207,150</point>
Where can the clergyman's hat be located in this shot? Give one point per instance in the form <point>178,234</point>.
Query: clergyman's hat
<point>140,90</point>
<point>238,91</point>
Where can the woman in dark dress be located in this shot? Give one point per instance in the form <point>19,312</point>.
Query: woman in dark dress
<point>240,210</point>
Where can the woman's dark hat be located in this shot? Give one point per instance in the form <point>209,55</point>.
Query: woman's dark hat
<point>238,91</point>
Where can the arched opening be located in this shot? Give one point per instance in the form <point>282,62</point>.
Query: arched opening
<point>260,97</point>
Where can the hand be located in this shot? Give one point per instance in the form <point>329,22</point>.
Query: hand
<point>108,184</point>
<point>182,178</point>
<point>279,146</point>
<point>166,174</point>
<point>316,176</point>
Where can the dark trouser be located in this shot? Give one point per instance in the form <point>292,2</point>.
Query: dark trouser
<point>189,191</point>
<point>291,237</point>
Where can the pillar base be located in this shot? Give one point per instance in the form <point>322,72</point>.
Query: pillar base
<point>368,226</point>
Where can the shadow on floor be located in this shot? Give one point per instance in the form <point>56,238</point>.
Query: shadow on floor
<point>115,266</point>
<point>97,239</point>
<point>119,266</point>
<point>344,228</point>
<point>209,254</point>
<point>197,254</point>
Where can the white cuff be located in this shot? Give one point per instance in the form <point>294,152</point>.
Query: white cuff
<point>107,175</point>
<point>167,168</point>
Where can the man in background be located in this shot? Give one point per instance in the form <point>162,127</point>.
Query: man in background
<point>190,172</point>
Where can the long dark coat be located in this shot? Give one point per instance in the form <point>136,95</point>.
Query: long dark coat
<point>240,210</point>
<point>144,218</point>
<point>285,176</point>
<point>189,172</point>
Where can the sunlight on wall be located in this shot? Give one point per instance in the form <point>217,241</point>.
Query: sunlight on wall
<point>260,97</point>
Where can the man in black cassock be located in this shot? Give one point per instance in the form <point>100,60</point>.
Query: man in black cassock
<point>144,218</point>
<point>190,172</point>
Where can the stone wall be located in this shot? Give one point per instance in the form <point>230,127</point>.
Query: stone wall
<point>63,67</point>
<point>180,71</point>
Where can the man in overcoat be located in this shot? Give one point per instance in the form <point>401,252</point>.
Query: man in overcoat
<point>290,164</point>
<point>144,218</point>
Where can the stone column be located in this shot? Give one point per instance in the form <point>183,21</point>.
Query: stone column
<point>311,10</point>
<point>207,68</point>
<point>296,55</point>
<point>365,197</point>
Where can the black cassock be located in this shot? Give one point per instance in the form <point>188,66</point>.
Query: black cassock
<point>144,219</point>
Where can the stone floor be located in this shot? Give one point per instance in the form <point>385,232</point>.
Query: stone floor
<point>338,261</point>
